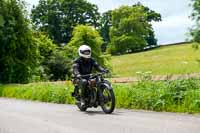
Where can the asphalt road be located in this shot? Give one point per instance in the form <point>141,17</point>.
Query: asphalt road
<point>17,116</point>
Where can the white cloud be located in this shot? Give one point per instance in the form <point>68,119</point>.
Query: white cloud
<point>173,22</point>
<point>172,29</point>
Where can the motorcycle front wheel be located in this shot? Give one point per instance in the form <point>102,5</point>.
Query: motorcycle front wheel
<point>108,100</point>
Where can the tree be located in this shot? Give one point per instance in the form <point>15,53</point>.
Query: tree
<point>55,62</point>
<point>18,51</point>
<point>129,30</point>
<point>195,31</point>
<point>88,35</point>
<point>151,16</point>
<point>59,17</point>
<point>46,49</point>
<point>105,24</point>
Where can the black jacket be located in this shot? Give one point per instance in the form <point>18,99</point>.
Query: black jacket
<point>85,66</point>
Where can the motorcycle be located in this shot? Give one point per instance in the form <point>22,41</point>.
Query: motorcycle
<point>99,92</point>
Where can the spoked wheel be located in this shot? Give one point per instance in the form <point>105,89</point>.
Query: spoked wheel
<point>78,101</point>
<point>82,108</point>
<point>108,101</point>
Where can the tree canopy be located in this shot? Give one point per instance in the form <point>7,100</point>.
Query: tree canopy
<point>88,35</point>
<point>195,31</point>
<point>59,17</point>
<point>129,29</point>
<point>18,50</point>
<point>106,23</point>
<point>151,16</point>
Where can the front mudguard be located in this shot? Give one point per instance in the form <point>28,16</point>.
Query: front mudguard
<point>101,86</point>
<point>106,84</point>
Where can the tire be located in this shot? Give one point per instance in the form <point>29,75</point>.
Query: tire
<point>82,108</point>
<point>78,103</point>
<point>110,98</point>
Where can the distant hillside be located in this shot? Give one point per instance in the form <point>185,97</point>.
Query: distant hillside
<point>178,43</point>
<point>171,59</point>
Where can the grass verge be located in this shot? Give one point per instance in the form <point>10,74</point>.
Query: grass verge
<point>171,96</point>
<point>54,92</point>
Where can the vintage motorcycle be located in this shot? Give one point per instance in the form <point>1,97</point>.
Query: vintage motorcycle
<point>99,92</point>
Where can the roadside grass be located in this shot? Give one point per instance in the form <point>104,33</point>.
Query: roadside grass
<point>54,92</point>
<point>170,96</point>
<point>166,60</point>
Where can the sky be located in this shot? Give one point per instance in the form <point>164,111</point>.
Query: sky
<point>175,22</point>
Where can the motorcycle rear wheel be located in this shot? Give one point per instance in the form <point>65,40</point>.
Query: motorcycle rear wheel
<point>82,108</point>
<point>78,103</point>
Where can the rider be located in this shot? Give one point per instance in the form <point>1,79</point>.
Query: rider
<point>84,66</point>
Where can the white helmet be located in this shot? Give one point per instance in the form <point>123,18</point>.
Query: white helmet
<point>84,51</point>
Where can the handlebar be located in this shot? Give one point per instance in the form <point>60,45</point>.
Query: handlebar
<point>93,75</point>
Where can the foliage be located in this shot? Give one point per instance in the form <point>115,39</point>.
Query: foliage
<point>59,67</point>
<point>170,96</point>
<point>46,49</point>
<point>196,10</point>
<point>44,92</point>
<point>55,62</point>
<point>195,31</point>
<point>46,45</point>
<point>144,76</point>
<point>58,17</point>
<point>89,36</point>
<point>165,60</point>
<point>105,24</point>
<point>19,52</point>
<point>129,30</point>
<point>151,16</point>
<point>195,46</point>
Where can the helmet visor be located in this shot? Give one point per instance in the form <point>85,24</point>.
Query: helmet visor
<point>85,52</point>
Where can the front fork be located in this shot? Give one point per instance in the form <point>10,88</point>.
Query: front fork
<point>101,87</point>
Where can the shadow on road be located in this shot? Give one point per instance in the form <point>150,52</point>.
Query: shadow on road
<point>101,113</point>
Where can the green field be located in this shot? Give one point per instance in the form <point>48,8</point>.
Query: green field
<point>165,60</point>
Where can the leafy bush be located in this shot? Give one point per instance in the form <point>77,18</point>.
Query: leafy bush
<point>46,49</point>
<point>59,67</point>
<point>55,62</point>
<point>18,51</point>
<point>172,96</point>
